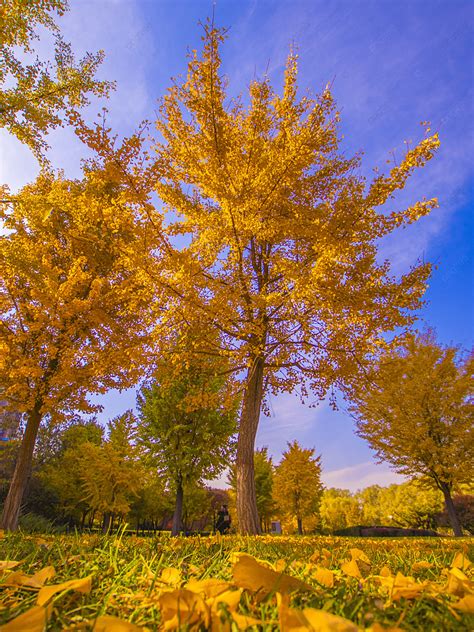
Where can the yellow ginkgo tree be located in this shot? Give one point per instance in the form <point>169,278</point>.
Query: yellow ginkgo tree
<point>280,234</point>
<point>415,408</point>
<point>73,304</point>
<point>35,93</point>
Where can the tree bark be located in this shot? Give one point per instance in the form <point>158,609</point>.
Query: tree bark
<point>19,482</point>
<point>178,510</point>
<point>247,513</point>
<point>451,509</point>
<point>300,525</point>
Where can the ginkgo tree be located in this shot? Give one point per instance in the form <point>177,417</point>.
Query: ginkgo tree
<point>297,483</point>
<point>73,303</point>
<point>415,408</point>
<point>281,238</point>
<point>36,94</point>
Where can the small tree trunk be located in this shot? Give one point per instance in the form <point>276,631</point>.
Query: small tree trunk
<point>178,510</point>
<point>106,523</point>
<point>247,513</point>
<point>300,525</point>
<point>11,509</point>
<point>451,509</point>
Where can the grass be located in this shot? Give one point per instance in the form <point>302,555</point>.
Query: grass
<point>128,580</point>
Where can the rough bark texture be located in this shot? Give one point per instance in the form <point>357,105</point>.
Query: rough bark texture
<point>19,482</point>
<point>107,523</point>
<point>450,508</point>
<point>178,510</point>
<point>247,513</point>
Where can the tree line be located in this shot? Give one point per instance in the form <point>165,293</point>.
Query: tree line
<point>277,286</point>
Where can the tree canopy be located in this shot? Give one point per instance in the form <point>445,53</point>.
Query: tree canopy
<point>297,483</point>
<point>283,232</point>
<point>416,411</point>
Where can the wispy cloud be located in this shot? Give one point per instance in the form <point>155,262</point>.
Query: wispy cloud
<point>360,476</point>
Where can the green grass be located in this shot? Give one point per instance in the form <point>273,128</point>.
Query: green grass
<point>126,575</point>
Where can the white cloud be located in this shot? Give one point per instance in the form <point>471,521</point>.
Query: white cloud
<point>360,476</point>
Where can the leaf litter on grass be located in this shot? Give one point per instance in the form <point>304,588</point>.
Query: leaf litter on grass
<point>265,583</point>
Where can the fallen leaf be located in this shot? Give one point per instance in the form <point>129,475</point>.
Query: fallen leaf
<point>461,561</point>
<point>171,576</point>
<point>183,608</point>
<point>250,574</point>
<point>466,604</point>
<point>33,620</point>
<point>324,576</point>
<point>208,587</point>
<point>360,556</point>
<point>7,564</point>
<point>80,585</point>
<point>352,569</point>
<point>323,621</point>
<point>107,623</point>
<point>421,566</point>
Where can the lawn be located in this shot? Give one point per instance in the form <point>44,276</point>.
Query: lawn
<point>232,583</point>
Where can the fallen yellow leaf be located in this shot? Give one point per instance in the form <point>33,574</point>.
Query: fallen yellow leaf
<point>421,566</point>
<point>466,604</point>
<point>208,587</point>
<point>360,556</point>
<point>33,620</point>
<point>461,561</point>
<point>351,568</point>
<point>250,574</point>
<point>7,564</point>
<point>183,608</point>
<point>324,576</point>
<point>107,623</point>
<point>80,585</point>
<point>323,621</point>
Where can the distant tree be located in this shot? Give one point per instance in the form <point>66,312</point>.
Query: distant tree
<point>63,474</point>
<point>339,509</point>
<point>409,504</point>
<point>186,423</point>
<point>464,505</point>
<point>73,308</point>
<point>264,473</point>
<point>416,411</point>
<point>283,231</point>
<point>111,473</point>
<point>297,485</point>
<point>36,95</point>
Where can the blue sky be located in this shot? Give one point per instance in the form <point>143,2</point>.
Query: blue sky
<point>391,64</point>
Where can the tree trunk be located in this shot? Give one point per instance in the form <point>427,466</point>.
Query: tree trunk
<point>11,509</point>
<point>247,513</point>
<point>451,509</point>
<point>178,510</point>
<point>300,525</point>
<point>106,523</point>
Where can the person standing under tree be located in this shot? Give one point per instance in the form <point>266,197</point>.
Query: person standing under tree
<point>223,520</point>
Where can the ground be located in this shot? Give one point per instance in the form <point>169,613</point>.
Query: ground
<point>258,583</point>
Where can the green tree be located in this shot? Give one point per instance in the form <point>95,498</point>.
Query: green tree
<point>282,232</point>
<point>339,509</point>
<point>111,473</point>
<point>36,95</point>
<point>416,411</point>
<point>185,422</point>
<point>297,483</point>
<point>264,474</point>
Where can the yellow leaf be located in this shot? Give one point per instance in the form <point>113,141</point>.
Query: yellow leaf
<point>461,561</point>
<point>7,564</point>
<point>80,585</point>
<point>323,621</point>
<point>324,576</point>
<point>385,571</point>
<point>107,623</point>
<point>171,576</point>
<point>244,622</point>
<point>458,583</point>
<point>360,556</point>
<point>208,587</point>
<point>230,598</point>
<point>32,581</point>
<point>250,574</point>
<point>183,608</point>
<point>351,568</point>
<point>33,620</point>
<point>466,604</point>
<point>420,566</point>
